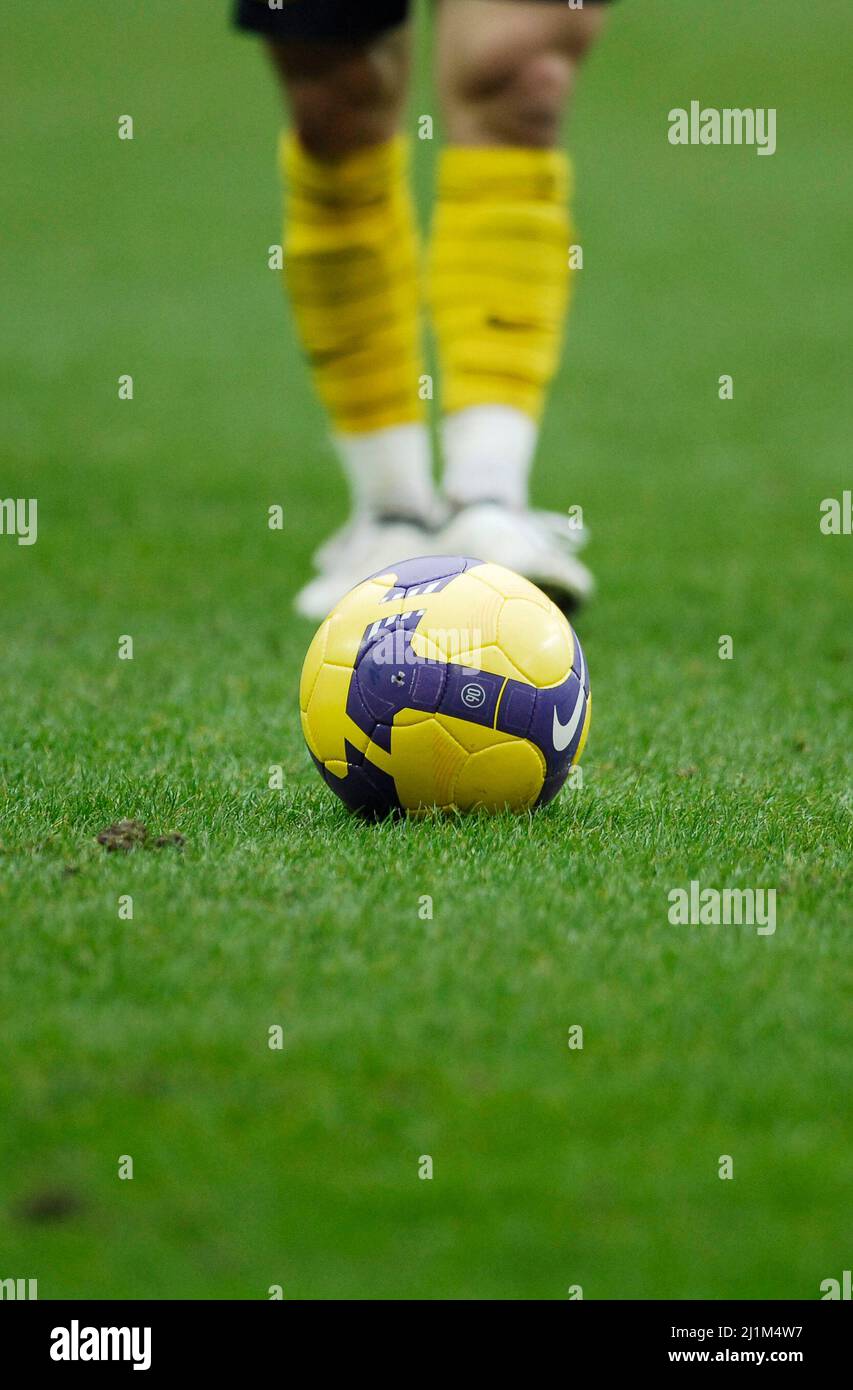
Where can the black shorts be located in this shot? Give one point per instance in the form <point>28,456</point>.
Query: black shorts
<point>328,19</point>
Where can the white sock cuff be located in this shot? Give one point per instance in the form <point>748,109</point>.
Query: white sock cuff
<point>488,452</point>
<point>390,470</point>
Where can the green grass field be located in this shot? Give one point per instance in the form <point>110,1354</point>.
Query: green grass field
<point>404,1037</point>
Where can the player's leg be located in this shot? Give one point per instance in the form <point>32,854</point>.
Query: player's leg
<point>352,267</point>
<point>500,267</point>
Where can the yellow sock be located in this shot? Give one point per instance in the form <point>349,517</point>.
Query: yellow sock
<point>352,268</point>
<point>499,274</point>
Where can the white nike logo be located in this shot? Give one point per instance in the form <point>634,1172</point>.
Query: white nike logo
<point>564,733</point>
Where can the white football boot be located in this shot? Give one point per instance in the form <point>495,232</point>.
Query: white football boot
<point>540,545</point>
<point>357,550</point>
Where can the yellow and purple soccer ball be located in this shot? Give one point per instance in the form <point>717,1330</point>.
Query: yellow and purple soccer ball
<point>445,682</point>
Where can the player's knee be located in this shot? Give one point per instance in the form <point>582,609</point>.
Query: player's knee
<point>349,111</point>
<point>342,100</point>
<point>519,101</point>
<point>328,123</point>
<point>535,99</point>
<point>508,80</point>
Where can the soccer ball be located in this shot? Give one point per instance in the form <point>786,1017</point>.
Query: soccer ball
<point>445,682</point>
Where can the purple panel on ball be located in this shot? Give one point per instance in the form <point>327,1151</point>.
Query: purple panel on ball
<point>381,736</point>
<point>516,709</point>
<point>366,789</point>
<point>471,695</point>
<point>428,686</point>
<point>427,573</point>
<point>357,709</point>
<point>552,785</point>
<point>386,674</point>
<point>427,567</point>
<point>557,723</point>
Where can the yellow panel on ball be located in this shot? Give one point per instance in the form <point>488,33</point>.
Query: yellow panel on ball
<point>465,614</point>
<point>326,717</point>
<point>540,640</point>
<point>507,776</point>
<point>509,584</point>
<point>312,665</point>
<point>584,731</point>
<point>428,762</point>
